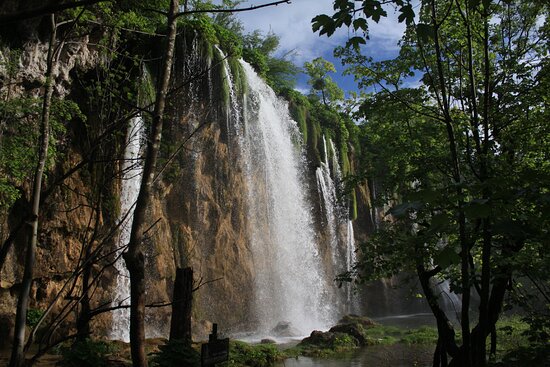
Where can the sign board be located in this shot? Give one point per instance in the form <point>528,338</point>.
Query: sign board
<point>215,351</point>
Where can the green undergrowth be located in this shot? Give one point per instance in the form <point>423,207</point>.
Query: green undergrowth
<point>340,342</point>
<point>260,355</point>
<point>520,343</point>
<point>87,353</point>
<point>514,346</point>
<point>175,353</point>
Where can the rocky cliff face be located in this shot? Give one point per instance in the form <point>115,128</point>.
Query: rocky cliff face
<point>198,210</point>
<point>69,212</point>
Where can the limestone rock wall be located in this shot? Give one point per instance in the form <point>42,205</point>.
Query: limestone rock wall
<point>69,213</point>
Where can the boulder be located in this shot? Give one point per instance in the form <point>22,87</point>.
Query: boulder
<point>354,330</point>
<point>319,338</point>
<point>356,319</point>
<point>284,329</point>
<point>329,340</point>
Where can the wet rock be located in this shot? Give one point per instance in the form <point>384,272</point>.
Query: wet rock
<point>319,342</point>
<point>319,338</point>
<point>268,341</point>
<point>356,319</point>
<point>354,330</point>
<point>284,329</point>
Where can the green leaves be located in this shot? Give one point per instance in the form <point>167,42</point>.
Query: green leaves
<point>373,9</point>
<point>355,42</point>
<point>425,32</point>
<point>347,13</point>
<point>404,209</point>
<point>447,257</point>
<point>360,23</point>
<point>407,14</point>
<point>324,24</point>
<point>478,209</point>
<point>321,83</point>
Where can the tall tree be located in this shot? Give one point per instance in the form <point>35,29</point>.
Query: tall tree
<point>462,213</point>
<point>321,82</point>
<point>17,354</point>
<point>135,257</point>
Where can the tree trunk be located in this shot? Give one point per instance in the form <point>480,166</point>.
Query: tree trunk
<point>135,258</point>
<point>182,301</point>
<point>453,150</point>
<point>17,354</point>
<point>446,336</point>
<point>484,316</point>
<point>83,320</point>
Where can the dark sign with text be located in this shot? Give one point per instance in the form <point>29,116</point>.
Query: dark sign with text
<point>215,351</point>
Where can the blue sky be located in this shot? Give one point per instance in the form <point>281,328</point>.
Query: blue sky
<point>292,23</point>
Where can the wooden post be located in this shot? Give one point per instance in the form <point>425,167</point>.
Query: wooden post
<point>180,325</point>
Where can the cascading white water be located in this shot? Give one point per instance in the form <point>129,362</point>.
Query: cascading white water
<point>327,195</point>
<point>336,218</point>
<point>233,109</point>
<point>290,283</point>
<point>131,179</point>
<point>350,261</point>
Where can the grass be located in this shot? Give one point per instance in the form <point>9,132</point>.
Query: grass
<point>260,355</point>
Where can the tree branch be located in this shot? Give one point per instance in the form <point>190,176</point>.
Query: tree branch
<point>202,11</point>
<point>48,9</point>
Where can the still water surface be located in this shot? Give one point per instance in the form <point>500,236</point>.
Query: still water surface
<point>398,355</point>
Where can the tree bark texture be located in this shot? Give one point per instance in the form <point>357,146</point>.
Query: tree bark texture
<point>180,325</point>
<point>135,257</point>
<point>17,353</point>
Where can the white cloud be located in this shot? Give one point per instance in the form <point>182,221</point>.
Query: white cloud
<point>292,23</point>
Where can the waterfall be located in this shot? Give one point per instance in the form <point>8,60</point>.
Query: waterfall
<point>233,109</point>
<point>131,179</point>
<point>327,195</point>
<point>290,282</point>
<point>336,217</point>
<point>350,261</point>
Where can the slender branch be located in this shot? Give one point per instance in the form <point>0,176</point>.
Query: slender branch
<point>201,284</point>
<point>213,11</point>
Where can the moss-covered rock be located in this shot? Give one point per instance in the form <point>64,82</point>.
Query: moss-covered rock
<point>355,319</point>
<point>325,344</point>
<point>260,355</point>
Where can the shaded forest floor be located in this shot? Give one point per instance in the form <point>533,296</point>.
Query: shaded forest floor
<point>356,342</point>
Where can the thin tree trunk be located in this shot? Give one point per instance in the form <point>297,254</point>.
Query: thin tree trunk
<point>17,354</point>
<point>135,258</point>
<point>484,323</point>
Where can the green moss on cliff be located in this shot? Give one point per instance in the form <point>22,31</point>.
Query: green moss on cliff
<point>238,76</point>
<point>220,75</point>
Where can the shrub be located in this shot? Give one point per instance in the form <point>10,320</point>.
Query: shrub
<point>176,353</point>
<point>87,353</point>
<point>33,316</point>
<point>242,354</point>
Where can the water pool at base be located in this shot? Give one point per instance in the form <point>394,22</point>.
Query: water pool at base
<point>398,355</point>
